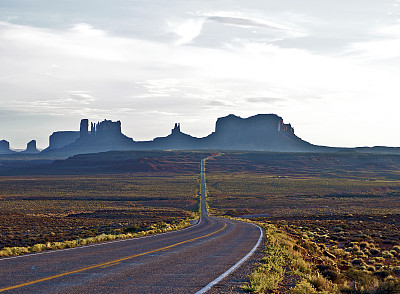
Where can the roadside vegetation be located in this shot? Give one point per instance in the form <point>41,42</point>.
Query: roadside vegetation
<point>295,264</point>
<point>157,228</point>
<point>47,212</point>
<point>332,224</point>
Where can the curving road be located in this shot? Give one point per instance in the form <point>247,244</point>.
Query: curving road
<point>186,261</point>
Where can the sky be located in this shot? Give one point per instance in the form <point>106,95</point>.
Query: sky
<point>329,68</point>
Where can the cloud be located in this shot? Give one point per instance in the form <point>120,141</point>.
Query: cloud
<point>383,44</point>
<point>83,97</point>
<point>84,71</point>
<point>247,22</point>
<point>266,100</point>
<point>186,30</point>
<point>263,28</point>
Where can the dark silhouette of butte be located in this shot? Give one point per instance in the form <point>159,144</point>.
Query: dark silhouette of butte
<point>262,132</point>
<point>5,147</point>
<point>31,148</point>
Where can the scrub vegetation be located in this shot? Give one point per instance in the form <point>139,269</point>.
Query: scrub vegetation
<point>334,228</point>
<point>42,212</point>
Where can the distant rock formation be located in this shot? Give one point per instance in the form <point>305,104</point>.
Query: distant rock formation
<point>31,148</point>
<point>60,139</point>
<point>5,147</point>
<point>83,131</point>
<point>103,136</point>
<point>176,129</point>
<point>175,140</point>
<point>264,132</point>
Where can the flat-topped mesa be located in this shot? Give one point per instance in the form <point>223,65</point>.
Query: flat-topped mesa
<point>31,148</point>
<point>258,124</point>
<point>5,147</point>
<point>62,138</point>
<point>260,132</point>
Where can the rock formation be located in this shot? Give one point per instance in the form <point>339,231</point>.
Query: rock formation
<point>31,148</point>
<point>176,129</point>
<point>103,136</point>
<point>63,138</point>
<point>5,147</point>
<point>264,132</point>
<point>83,131</point>
<point>175,140</point>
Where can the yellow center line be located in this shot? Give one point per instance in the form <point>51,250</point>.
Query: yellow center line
<point>111,264</point>
<point>108,263</point>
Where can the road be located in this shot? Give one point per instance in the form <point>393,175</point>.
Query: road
<point>185,261</point>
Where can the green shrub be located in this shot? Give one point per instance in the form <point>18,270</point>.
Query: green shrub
<point>304,287</point>
<point>322,285</point>
<point>361,280</point>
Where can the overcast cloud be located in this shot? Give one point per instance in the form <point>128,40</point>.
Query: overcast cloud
<point>330,68</point>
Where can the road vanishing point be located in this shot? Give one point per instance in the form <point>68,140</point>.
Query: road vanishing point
<point>190,260</point>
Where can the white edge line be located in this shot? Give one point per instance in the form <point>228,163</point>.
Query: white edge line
<point>98,244</point>
<point>234,267</point>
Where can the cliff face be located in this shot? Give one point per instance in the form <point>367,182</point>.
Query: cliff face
<point>259,132</point>
<point>106,130</point>
<point>5,147</point>
<point>103,136</point>
<point>60,139</point>
<point>31,148</point>
<point>263,132</point>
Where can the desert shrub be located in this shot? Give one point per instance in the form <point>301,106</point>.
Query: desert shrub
<point>331,275</point>
<point>132,229</point>
<point>261,281</point>
<point>361,280</point>
<point>378,265</point>
<point>361,254</point>
<point>382,274</point>
<point>389,286</point>
<point>300,265</point>
<point>322,285</point>
<point>357,261</point>
<point>374,251</point>
<point>387,254</point>
<point>37,248</point>
<point>304,287</point>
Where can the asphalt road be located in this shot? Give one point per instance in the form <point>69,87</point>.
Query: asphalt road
<point>186,261</point>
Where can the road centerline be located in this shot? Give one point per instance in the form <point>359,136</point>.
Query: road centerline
<point>109,263</point>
